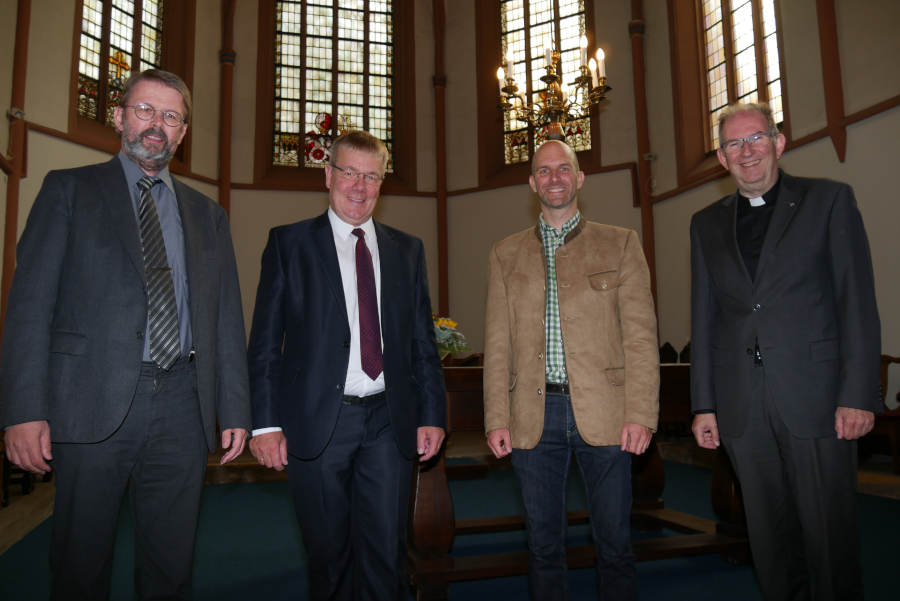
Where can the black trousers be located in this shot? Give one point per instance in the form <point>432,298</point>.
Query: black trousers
<point>800,500</point>
<point>159,454</point>
<point>352,503</point>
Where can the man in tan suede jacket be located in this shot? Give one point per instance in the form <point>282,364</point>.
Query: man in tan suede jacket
<point>571,364</point>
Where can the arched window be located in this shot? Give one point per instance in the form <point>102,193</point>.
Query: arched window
<point>328,66</point>
<point>742,57</point>
<point>113,39</point>
<point>527,27</point>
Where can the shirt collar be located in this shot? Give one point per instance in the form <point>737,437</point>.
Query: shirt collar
<point>133,173</point>
<point>567,227</point>
<point>770,197</point>
<point>344,230</point>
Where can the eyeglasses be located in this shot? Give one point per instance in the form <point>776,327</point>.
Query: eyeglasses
<point>734,146</point>
<point>145,112</point>
<point>353,176</point>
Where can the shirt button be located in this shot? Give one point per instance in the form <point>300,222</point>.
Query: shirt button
<point>540,392</point>
<point>757,307</point>
<point>540,355</point>
<point>140,335</point>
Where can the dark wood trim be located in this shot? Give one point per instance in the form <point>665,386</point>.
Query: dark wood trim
<point>439,24</point>
<point>648,235</point>
<point>831,76</point>
<point>403,153</point>
<point>16,151</point>
<point>226,92</point>
<point>176,168</point>
<point>5,166</point>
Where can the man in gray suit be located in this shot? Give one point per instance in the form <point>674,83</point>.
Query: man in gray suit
<point>785,344</point>
<point>123,347</point>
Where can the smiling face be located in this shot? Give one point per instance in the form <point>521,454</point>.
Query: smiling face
<point>353,200</point>
<point>556,179</point>
<point>152,143</point>
<point>754,168</point>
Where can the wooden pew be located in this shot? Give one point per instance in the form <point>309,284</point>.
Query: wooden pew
<point>433,525</point>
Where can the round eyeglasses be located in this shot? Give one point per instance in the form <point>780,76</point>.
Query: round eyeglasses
<point>145,112</point>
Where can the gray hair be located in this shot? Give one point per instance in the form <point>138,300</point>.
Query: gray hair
<point>731,110</point>
<point>362,141</point>
<point>164,77</point>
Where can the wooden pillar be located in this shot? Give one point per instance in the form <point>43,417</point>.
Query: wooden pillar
<point>636,31</point>
<point>16,153</point>
<point>831,76</point>
<point>226,58</point>
<point>439,10</point>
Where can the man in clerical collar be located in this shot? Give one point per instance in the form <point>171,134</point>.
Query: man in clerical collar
<point>785,344</point>
<point>570,340</point>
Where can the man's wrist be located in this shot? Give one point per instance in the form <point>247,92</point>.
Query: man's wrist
<point>259,431</point>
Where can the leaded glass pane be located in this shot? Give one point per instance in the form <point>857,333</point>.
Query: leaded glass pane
<point>745,71</point>
<point>354,93</point>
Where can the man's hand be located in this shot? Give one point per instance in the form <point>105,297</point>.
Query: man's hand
<point>850,424</point>
<point>635,438</point>
<point>28,446</point>
<point>428,441</point>
<point>706,430</point>
<point>499,442</point>
<point>233,439</point>
<point>270,449</point>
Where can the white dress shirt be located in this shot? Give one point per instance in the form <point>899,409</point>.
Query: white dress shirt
<point>358,382</point>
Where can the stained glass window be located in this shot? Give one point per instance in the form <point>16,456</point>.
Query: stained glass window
<point>117,37</point>
<point>333,72</point>
<point>742,59</point>
<point>527,26</point>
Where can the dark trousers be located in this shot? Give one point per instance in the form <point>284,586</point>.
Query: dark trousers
<point>352,504</point>
<point>159,453</point>
<point>542,473</point>
<point>800,500</point>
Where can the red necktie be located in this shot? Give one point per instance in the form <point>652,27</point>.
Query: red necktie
<point>369,329</point>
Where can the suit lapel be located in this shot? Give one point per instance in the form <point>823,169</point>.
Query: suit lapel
<point>323,245</point>
<point>389,261</point>
<point>726,229</point>
<point>195,235</point>
<point>113,187</point>
<point>789,200</point>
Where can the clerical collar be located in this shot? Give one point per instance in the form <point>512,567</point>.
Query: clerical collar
<point>769,198</point>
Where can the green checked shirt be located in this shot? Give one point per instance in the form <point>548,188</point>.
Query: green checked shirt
<point>556,356</point>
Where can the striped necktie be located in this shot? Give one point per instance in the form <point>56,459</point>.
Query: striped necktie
<point>161,306</point>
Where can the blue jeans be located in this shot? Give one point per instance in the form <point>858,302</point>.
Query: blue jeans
<point>542,473</point>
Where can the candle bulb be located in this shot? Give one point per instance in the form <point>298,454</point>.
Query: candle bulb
<point>548,53</point>
<point>500,78</point>
<point>583,46</point>
<point>509,65</point>
<point>592,66</point>
<point>601,62</point>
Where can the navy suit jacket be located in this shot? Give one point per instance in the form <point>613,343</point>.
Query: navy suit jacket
<point>300,338</point>
<point>811,306</point>
<point>73,339</point>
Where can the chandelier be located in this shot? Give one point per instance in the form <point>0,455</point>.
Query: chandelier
<point>554,106</point>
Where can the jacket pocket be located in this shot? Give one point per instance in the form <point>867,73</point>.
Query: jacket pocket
<point>68,343</point>
<point>824,350</point>
<point>605,280</point>
<point>616,376</point>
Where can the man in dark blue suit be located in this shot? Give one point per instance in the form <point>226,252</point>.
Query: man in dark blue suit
<point>123,347</point>
<point>346,383</point>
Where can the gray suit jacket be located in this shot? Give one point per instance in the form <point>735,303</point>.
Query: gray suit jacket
<point>73,336</point>
<point>811,307</point>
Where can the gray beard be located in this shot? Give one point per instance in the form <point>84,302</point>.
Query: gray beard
<point>137,152</point>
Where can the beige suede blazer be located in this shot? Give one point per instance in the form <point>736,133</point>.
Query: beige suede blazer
<point>608,329</point>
